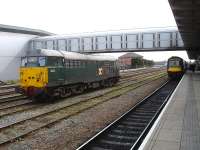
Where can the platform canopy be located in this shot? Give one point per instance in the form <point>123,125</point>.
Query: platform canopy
<point>187,16</point>
<point>23,30</point>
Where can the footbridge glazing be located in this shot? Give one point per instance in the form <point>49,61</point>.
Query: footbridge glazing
<point>145,40</point>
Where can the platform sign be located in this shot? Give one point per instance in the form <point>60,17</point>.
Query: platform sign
<point>87,43</point>
<point>131,41</point>
<point>74,45</point>
<point>116,41</point>
<point>148,40</point>
<point>101,43</point>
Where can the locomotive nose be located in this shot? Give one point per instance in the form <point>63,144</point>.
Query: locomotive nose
<point>33,77</point>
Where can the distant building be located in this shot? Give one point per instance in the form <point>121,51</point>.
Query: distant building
<point>133,60</point>
<point>126,61</point>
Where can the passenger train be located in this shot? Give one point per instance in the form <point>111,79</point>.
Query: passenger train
<point>176,67</point>
<point>52,73</point>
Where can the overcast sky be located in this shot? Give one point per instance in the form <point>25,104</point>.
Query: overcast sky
<point>77,16</point>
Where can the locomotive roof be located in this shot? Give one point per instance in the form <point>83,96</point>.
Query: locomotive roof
<point>69,55</point>
<point>175,57</point>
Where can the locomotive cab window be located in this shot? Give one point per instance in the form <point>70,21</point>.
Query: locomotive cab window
<point>174,63</point>
<point>55,61</point>
<point>33,61</point>
<point>42,61</point>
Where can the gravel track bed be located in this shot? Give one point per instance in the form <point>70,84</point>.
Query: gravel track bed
<point>69,133</point>
<point>139,76</point>
<point>46,118</point>
<point>129,74</point>
<point>43,108</point>
<point>32,110</point>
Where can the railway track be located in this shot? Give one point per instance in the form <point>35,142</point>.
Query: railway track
<point>7,89</point>
<point>129,130</point>
<point>2,83</point>
<point>20,104</point>
<point>11,98</point>
<point>8,86</point>
<point>50,114</point>
<point>139,75</point>
<point>138,72</point>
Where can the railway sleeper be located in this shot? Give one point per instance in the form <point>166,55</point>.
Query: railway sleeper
<point>146,111</point>
<point>121,138</point>
<point>128,127</point>
<point>108,146</point>
<point>134,123</point>
<point>135,116</point>
<point>137,120</point>
<point>143,113</point>
<point>153,107</point>
<point>126,132</point>
<point>109,143</point>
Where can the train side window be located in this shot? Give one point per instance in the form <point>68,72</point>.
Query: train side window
<point>70,64</point>
<point>74,64</point>
<point>55,61</point>
<point>59,62</point>
<point>78,64</point>
<point>67,64</point>
<point>82,64</point>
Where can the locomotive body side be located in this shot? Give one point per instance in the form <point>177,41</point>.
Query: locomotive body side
<point>57,75</point>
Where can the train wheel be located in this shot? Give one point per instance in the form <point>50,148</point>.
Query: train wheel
<point>78,89</point>
<point>65,92</point>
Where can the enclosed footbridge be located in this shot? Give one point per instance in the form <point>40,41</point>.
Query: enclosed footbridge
<point>186,37</point>
<point>154,39</point>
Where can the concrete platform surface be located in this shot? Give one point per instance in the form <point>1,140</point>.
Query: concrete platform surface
<point>178,127</point>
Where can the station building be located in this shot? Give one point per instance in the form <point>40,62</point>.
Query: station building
<point>14,41</point>
<point>133,60</point>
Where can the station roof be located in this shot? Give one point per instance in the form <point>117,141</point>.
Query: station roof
<point>187,16</point>
<point>22,30</point>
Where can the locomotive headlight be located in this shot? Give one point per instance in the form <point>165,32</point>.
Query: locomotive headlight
<point>52,70</point>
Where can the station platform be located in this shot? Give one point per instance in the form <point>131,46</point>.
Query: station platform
<point>178,126</point>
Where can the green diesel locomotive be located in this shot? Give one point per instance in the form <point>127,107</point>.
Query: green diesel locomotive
<point>61,73</point>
